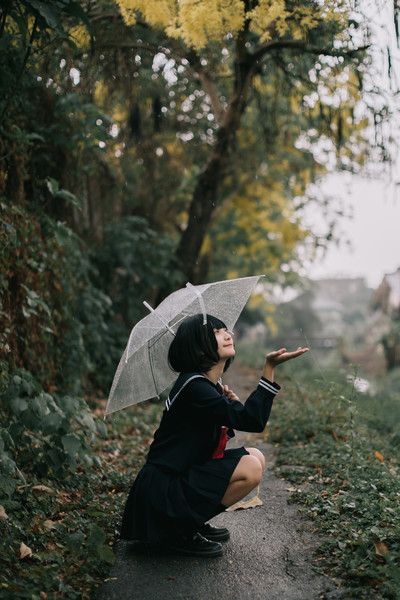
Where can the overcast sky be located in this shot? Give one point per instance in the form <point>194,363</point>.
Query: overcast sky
<point>374,230</point>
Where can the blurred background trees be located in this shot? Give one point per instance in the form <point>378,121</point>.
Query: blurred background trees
<point>145,144</point>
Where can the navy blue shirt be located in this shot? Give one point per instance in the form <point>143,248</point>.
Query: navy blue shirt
<point>195,411</point>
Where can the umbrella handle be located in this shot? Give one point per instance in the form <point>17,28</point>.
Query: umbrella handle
<point>151,309</point>
<point>200,297</point>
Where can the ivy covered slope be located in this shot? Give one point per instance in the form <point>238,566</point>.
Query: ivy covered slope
<point>60,507</point>
<point>340,451</point>
<point>60,338</point>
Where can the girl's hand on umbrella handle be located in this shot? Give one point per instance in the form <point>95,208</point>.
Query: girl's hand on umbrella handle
<point>273,359</point>
<point>229,394</point>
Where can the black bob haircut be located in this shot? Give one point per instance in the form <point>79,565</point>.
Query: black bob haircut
<point>195,348</point>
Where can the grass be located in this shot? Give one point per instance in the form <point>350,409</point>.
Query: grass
<point>56,538</point>
<point>341,451</point>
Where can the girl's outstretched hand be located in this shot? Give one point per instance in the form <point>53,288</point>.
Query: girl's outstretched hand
<point>273,359</point>
<point>280,356</point>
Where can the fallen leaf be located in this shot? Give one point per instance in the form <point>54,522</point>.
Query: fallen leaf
<point>381,549</point>
<point>49,524</point>
<point>379,456</point>
<point>25,551</point>
<point>243,504</point>
<point>43,488</point>
<point>51,546</point>
<point>35,526</point>
<point>3,514</point>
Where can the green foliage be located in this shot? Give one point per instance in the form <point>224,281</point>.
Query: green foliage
<point>44,434</point>
<point>69,526</point>
<point>132,260</point>
<point>345,467</point>
<point>54,320</point>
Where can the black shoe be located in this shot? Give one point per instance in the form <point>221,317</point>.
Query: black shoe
<point>195,545</point>
<point>215,534</point>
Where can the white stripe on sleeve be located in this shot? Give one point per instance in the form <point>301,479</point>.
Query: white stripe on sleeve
<point>268,386</point>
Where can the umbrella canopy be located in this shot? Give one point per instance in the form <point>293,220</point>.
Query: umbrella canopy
<point>143,371</point>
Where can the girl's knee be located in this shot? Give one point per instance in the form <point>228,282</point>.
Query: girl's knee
<point>257,454</point>
<point>254,470</point>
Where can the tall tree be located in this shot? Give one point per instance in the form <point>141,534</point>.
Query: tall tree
<point>232,48</point>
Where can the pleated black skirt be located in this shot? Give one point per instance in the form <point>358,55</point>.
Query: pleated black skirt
<point>163,503</point>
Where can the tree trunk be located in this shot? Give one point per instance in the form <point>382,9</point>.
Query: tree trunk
<point>201,209</point>
<point>205,195</point>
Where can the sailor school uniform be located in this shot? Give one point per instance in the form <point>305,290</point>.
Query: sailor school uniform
<point>188,469</point>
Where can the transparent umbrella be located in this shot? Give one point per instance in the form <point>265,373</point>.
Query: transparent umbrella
<point>143,371</point>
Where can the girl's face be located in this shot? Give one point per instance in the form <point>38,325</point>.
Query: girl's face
<point>226,348</point>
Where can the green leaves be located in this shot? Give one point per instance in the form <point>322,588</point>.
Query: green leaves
<point>50,12</point>
<point>96,544</point>
<point>349,473</point>
<point>54,189</point>
<point>33,303</point>
<point>61,431</point>
<point>74,541</point>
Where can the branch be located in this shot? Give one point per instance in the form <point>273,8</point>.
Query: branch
<point>207,82</point>
<point>178,52</point>
<point>193,62</point>
<point>300,45</point>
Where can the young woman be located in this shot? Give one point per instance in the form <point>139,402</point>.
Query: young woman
<point>189,477</point>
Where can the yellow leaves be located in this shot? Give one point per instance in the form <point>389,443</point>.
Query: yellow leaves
<point>198,22</point>
<point>195,21</point>
<point>291,234</point>
<point>268,16</point>
<point>379,456</point>
<point>159,13</point>
<point>80,36</point>
<point>128,9</point>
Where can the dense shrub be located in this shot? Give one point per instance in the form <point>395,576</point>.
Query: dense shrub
<point>345,467</point>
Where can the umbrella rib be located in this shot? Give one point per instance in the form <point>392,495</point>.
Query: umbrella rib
<point>201,301</point>
<point>151,369</point>
<point>151,309</point>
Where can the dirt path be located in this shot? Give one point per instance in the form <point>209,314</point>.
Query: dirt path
<point>269,555</point>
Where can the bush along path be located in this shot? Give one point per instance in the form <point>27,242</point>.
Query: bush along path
<point>63,481</point>
<point>340,450</point>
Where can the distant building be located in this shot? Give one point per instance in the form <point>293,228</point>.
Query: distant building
<point>387,296</point>
<point>387,300</point>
